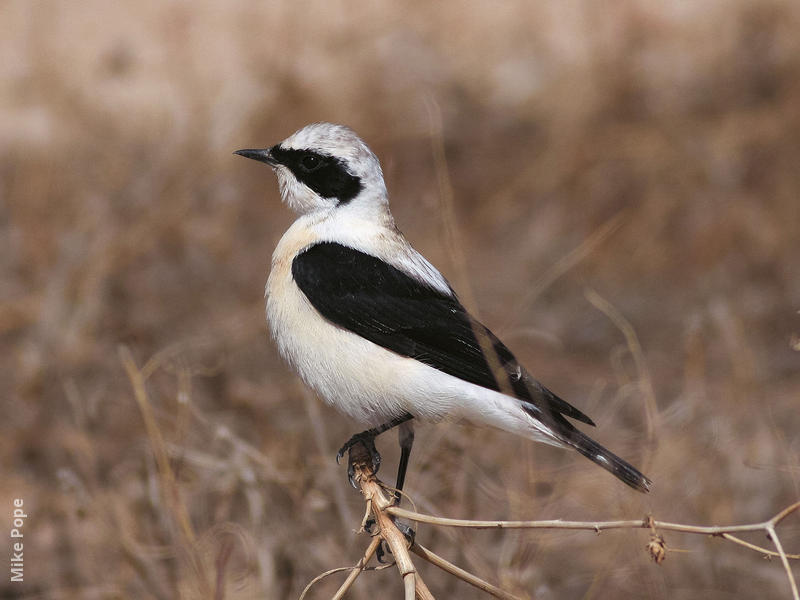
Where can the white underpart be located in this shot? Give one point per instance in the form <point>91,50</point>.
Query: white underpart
<point>360,378</point>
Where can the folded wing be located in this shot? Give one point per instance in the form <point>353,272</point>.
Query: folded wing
<point>383,304</point>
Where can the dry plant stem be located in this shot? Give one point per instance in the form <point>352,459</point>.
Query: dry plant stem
<point>564,264</point>
<point>762,550</point>
<point>596,526</point>
<point>471,579</point>
<point>409,586</point>
<point>646,523</point>
<point>632,341</point>
<point>382,509</point>
<point>784,560</point>
<point>321,576</point>
<point>452,236</point>
<point>423,593</point>
<point>356,571</point>
<point>167,481</point>
<point>169,487</point>
<point>454,242</point>
<point>387,530</point>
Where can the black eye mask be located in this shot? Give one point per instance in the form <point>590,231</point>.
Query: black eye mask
<point>324,174</point>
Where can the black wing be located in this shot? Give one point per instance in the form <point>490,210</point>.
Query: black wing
<point>379,302</point>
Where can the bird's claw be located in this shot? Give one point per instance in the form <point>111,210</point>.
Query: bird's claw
<point>370,453</point>
<point>369,524</point>
<point>351,475</point>
<point>380,553</point>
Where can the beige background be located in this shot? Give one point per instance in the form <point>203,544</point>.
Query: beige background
<point>644,151</point>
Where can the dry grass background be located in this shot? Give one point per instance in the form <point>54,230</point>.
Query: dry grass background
<point>670,132</point>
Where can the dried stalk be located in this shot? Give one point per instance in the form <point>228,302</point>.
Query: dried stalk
<point>647,523</point>
<point>381,508</point>
<point>377,503</point>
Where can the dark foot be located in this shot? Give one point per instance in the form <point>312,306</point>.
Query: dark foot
<point>397,497</point>
<point>408,532</point>
<point>405,529</point>
<point>361,451</point>
<point>380,552</point>
<point>369,524</point>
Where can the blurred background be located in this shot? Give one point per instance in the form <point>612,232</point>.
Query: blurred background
<point>613,187</point>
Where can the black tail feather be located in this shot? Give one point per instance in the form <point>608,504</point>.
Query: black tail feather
<point>609,461</point>
<point>568,434</point>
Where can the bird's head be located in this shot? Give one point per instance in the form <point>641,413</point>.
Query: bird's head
<point>323,167</point>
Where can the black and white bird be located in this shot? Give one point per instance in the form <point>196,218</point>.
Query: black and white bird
<point>375,330</point>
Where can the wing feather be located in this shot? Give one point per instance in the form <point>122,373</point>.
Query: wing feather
<point>383,304</point>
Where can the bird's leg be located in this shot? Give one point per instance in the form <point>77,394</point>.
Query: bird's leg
<point>405,435</point>
<point>367,438</point>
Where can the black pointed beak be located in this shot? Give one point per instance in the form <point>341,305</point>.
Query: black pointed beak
<point>264,156</point>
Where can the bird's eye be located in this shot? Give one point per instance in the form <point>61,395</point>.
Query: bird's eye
<point>311,162</point>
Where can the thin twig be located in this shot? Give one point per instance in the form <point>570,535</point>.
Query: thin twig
<point>170,491</point>
<point>371,549</point>
<point>471,579</point>
<point>354,572</point>
<point>351,577</point>
<point>569,261</point>
<point>167,476</point>
<point>761,549</point>
<point>632,341</point>
<point>775,540</point>
<point>784,513</point>
<point>453,239</point>
<point>455,243</point>
<point>596,526</point>
<point>423,593</point>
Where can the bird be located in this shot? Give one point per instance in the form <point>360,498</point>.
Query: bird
<point>376,330</point>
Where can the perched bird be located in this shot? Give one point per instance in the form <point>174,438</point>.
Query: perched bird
<point>375,330</point>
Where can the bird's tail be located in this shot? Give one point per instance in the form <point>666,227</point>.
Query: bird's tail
<point>608,460</point>
<point>566,433</point>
